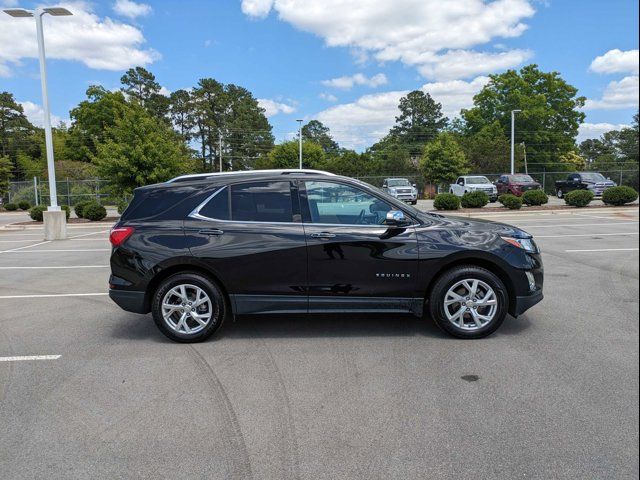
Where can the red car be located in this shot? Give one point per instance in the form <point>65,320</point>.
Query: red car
<point>516,184</point>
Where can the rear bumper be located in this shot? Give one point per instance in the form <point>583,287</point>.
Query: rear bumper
<point>526,302</point>
<point>129,300</point>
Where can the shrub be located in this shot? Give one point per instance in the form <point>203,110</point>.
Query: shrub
<point>510,201</point>
<point>579,198</point>
<point>446,201</point>
<point>535,197</point>
<point>67,210</point>
<point>619,196</point>
<point>24,205</point>
<point>79,206</point>
<point>474,199</point>
<point>36,212</point>
<point>122,206</point>
<point>11,207</point>
<point>94,211</point>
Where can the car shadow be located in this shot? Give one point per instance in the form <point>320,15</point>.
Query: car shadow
<point>142,327</point>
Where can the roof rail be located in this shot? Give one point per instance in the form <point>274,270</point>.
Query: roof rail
<point>196,176</point>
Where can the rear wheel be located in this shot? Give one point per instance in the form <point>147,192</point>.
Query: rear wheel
<point>468,302</point>
<point>188,307</point>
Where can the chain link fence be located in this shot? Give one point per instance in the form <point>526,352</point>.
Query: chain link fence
<point>36,191</point>
<point>69,192</point>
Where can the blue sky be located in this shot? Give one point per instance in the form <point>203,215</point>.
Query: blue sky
<point>344,62</point>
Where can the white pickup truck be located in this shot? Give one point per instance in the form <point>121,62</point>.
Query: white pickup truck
<point>474,183</point>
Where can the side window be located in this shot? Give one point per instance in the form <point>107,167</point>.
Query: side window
<point>336,203</point>
<point>218,206</point>
<point>262,202</point>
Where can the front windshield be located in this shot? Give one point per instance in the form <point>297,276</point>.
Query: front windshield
<point>398,182</point>
<point>477,180</point>
<point>593,177</point>
<point>522,179</point>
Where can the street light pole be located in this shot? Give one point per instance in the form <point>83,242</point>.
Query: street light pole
<point>513,139</point>
<point>300,143</point>
<point>48,136</point>
<point>55,222</point>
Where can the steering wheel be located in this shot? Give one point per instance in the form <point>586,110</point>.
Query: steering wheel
<point>360,219</point>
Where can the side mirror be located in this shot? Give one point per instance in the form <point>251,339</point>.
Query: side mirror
<point>396,218</point>
<point>461,184</point>
<point>414,185</point>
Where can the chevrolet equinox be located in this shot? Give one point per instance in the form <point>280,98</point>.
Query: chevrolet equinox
<point>201,248</point>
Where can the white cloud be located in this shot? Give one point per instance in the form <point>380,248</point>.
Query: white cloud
<point>328,97</point>
<point>165,91</point>
<point>256,8</point>
<point>617,95</point>
<point>130,9</point>
<point>35,114</point>
<point>347,82</point>
<point>415,32</point>
<point>596,130</point>
<point>616,61</point>
<point>369,118</point>
<point>271,107</point>
<point>98,43</point>
<point>465,63</point>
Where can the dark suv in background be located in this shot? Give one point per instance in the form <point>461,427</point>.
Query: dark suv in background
<point>198,249</point>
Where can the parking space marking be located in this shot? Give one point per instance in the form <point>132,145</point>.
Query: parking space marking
<point>604,250</point>
<point>54,268</point>
<point>589,235</point>
<point>88,234</point>
<point>24,358</point>
<point>51,295</point>
<point>61,250</point>
<point>578,225</point>
<point>26,246</point>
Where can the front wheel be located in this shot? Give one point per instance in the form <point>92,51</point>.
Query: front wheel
<point>468,302</point>
<point>188,307</point>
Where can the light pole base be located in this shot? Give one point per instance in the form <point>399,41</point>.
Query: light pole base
<point>55,224</point>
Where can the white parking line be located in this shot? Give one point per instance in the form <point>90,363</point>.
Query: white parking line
<point>588,235</point>
<point>54,268</point>
<point>26,246</point>
<point>604,250</point>
<point>51,295</point>
<point>578,225</point>
<point>24,358</point>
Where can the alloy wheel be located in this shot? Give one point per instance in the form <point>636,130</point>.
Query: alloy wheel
<point>187,309</point>
<point>470,304</point>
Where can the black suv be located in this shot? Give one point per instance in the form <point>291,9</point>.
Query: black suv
<point>200,248</point>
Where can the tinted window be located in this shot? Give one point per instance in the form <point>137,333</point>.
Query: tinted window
<point>261,202</point>
<point>218,206</point>
<point>336,203</point>
<point>145,205</point>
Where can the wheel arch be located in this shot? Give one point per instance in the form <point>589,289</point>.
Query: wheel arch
<point>486,263</point>
<point>185,267</point>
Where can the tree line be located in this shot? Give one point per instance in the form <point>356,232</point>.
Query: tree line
<point>137,135</point>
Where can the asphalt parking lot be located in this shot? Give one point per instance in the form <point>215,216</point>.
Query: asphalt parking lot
<point>553,394</point>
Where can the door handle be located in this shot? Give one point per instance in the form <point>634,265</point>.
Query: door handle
<point>212,231</point>
<point>324,235</point>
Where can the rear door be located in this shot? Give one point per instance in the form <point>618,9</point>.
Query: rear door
<point>251,236</point>
<point>354,261</point>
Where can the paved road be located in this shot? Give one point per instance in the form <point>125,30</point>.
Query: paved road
<point>358,397</point>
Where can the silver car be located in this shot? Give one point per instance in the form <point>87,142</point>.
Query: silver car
<point>402,189</point>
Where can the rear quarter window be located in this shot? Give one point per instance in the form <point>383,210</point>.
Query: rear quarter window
<point>156,202</point>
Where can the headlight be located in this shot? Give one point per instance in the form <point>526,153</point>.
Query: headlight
<point>526,244</point>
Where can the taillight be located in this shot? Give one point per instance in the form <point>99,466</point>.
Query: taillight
<point>119,235</point>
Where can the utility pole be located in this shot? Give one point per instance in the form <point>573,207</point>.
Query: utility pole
<point>300,143</point>
<point>220,148</point>
<point>55,222</point>
<point>513,139</point>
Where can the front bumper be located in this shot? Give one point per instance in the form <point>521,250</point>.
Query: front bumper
<point>524,303</point>
<point>129,300</point>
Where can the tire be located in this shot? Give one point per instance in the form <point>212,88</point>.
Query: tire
<point>414,202</point>
<point>560,193</point>
<point>489,318</point>
<point>196,287</point>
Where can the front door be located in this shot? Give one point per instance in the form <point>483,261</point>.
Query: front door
<point>250,236</point>
<point>355,262</point>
